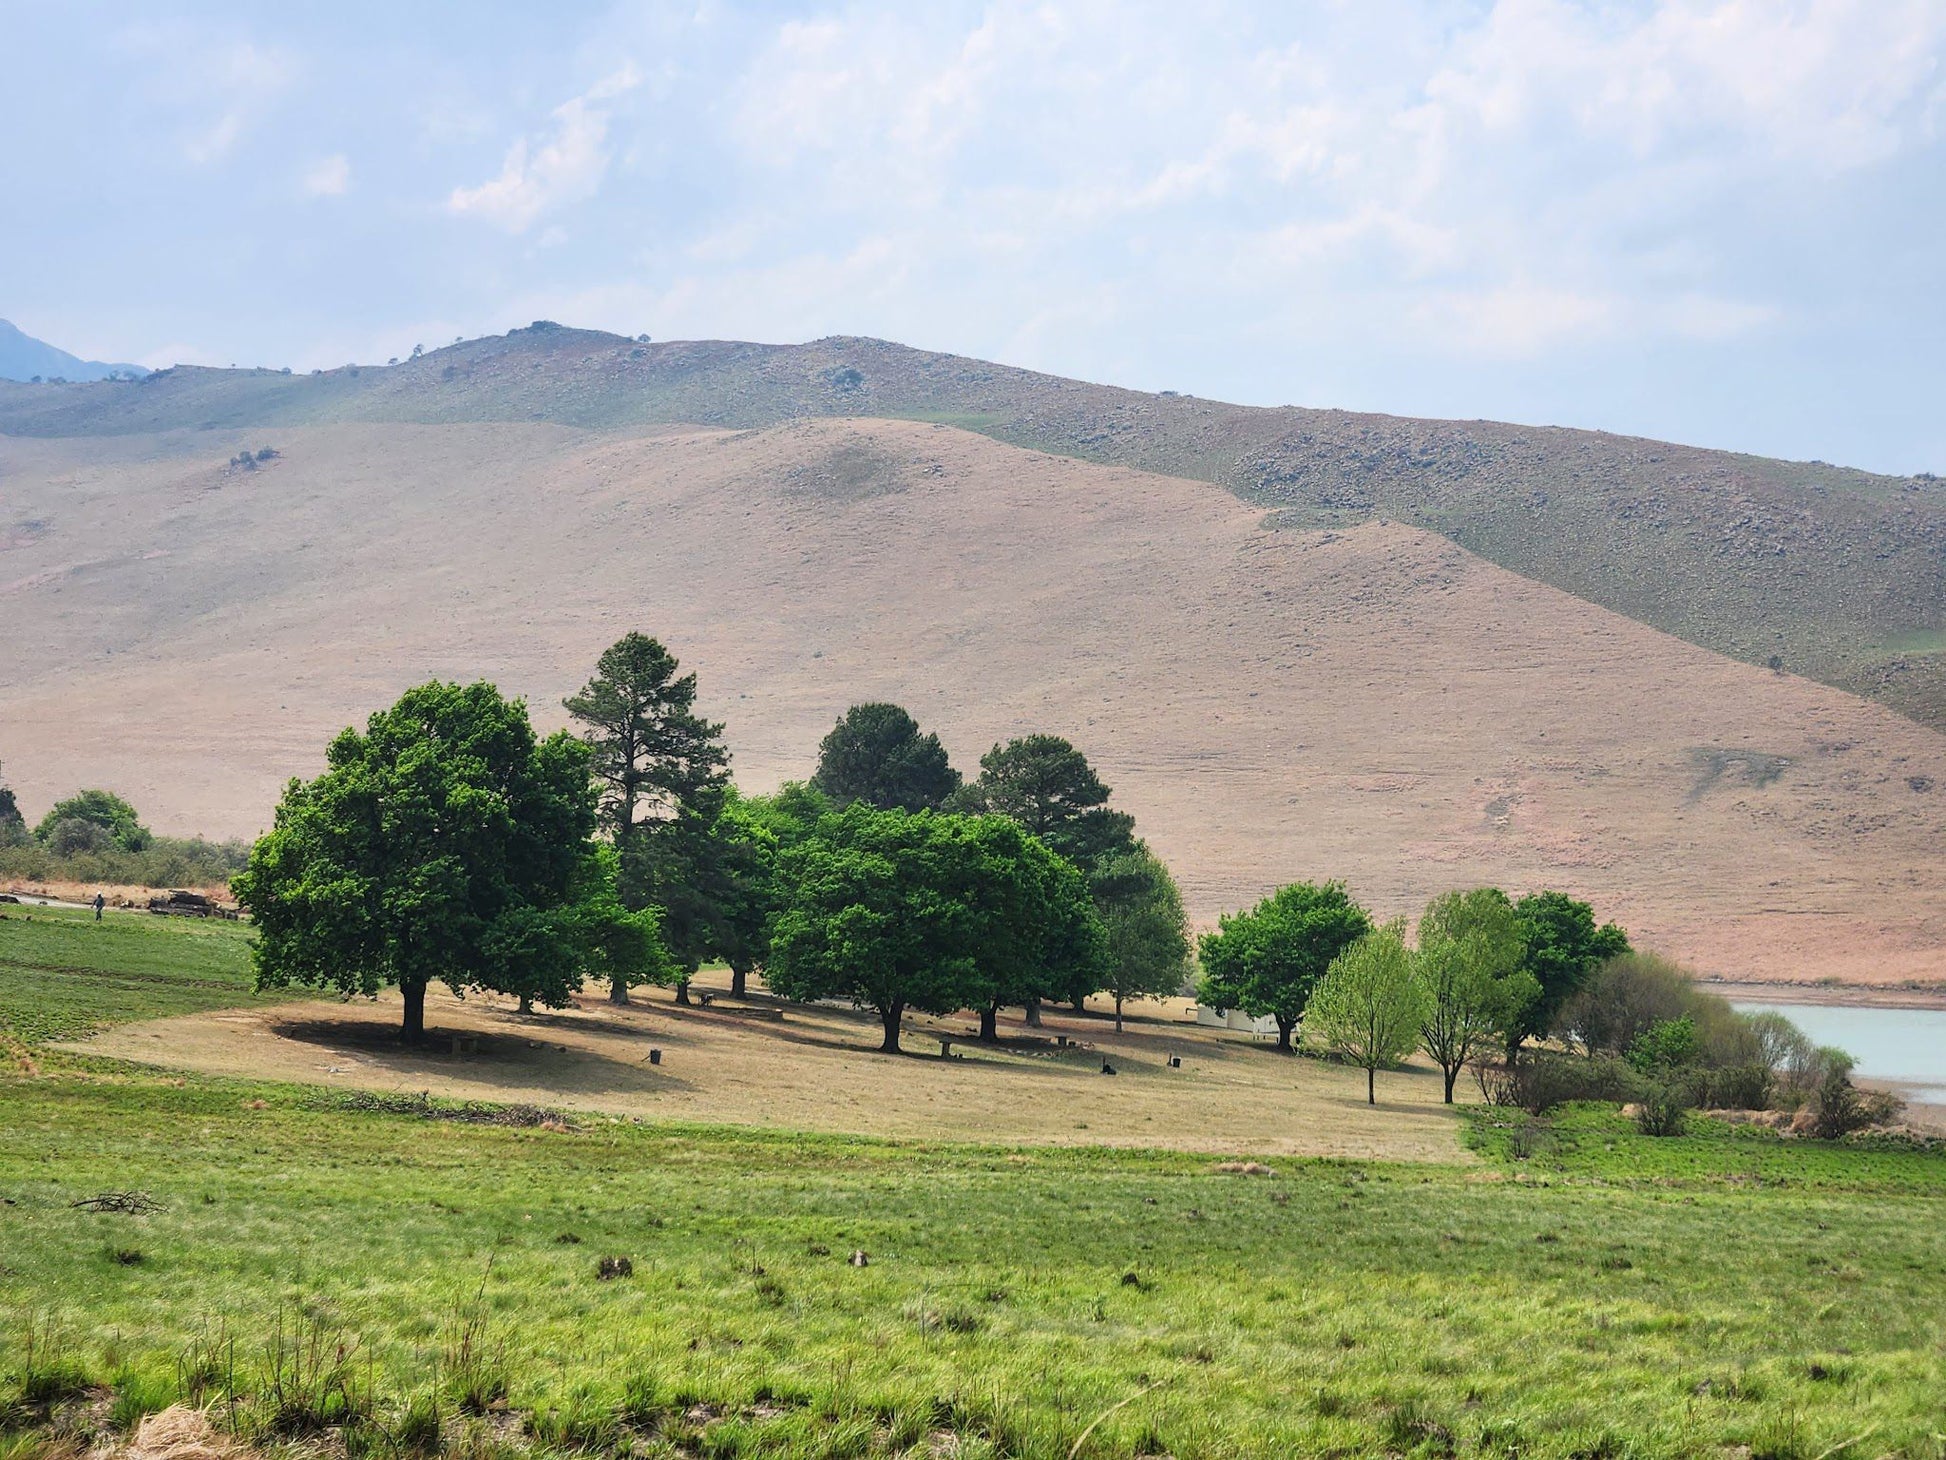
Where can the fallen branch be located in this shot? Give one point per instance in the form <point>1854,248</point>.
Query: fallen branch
<point>132,1203</point>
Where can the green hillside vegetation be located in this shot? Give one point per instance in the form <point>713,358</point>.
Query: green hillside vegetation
<point>1836,574</point>
<point>63,975</point>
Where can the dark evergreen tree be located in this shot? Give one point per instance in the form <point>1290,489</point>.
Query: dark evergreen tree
<point>663,775</point>
<point>1045,784</point>
<point>876,754</point>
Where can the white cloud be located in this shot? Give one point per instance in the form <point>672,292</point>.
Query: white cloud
<point>1537,174</point>
<point>1833,84</point>
<point>565,166</point>
<point>330,177</point>
<point>1353,200</point>
<point>244,78</point>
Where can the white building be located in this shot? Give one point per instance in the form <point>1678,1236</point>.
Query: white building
<point>1262,1028</point>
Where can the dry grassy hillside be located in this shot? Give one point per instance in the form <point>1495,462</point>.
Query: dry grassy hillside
<point>1369,702</point>
<point>1840,574</point>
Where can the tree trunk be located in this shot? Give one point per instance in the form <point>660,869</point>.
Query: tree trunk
<point>618,991</point>
<point>739,981</point>
<point>1032,1009</point>
<point>1080,1003</point>
<point>1452,1074</point>
<point>414,1031</point>
<point>682,991</point>
<point>526,1004</point>
<point>1284,1028</point>
<point>891,1014</point>
<point>1371,1084</point>
<point>990,1023</point>
<point>1118,1013</point>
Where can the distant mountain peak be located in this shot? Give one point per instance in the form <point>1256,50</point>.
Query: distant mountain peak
<point>22,357</point>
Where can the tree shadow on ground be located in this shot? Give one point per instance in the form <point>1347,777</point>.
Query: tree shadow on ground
<point>505,1060</point>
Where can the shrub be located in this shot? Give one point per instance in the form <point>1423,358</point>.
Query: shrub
<point>164,862</point>
<point>1839,1107</point>
<point>73,837</point>
<point>1668,1045</point>
<point>102,808</point>
<point>1663,1110</point>
<point>1628,996</point>
<point>1545,1079</point>
<point>1737,1087</point>
<point>1781,1047</point>
<point>1650,1011</point>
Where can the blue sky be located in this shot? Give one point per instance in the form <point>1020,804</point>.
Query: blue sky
<point>1717,221</point>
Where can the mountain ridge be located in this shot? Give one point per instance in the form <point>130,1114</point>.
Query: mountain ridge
<point>23,358</point>
<point>1826,571</point>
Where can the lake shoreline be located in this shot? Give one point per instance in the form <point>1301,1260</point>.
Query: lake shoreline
<point>1850,996</point>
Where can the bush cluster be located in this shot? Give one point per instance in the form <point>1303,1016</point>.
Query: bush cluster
<point>1640,1031</point>
<point>1545,1079</point>
<point>96,836</point>
<point>164,862</point>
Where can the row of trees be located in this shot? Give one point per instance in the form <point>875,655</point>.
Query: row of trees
<point>96,836</point>
<point>1487,970</point>
<point>448,842</point>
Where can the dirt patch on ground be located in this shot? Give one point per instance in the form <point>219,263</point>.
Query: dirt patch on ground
<point>817,1069</point>
<point>118,894</point>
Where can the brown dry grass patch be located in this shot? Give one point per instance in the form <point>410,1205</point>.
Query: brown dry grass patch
<point>818,1069</point>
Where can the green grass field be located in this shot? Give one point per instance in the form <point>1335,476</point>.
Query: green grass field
<point>63,975</point>
<point>1582,1291</point>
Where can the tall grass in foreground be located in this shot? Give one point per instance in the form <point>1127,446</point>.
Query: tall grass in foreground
<point>409,1284</point>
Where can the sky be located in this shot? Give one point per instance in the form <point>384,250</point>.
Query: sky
<point>1713,221</point>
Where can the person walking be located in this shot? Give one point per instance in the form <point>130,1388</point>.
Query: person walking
<point>100,902</point>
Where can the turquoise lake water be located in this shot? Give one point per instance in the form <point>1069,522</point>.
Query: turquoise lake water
<point>1906,1046</point>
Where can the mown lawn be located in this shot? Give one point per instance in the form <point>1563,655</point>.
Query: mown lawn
<point>1010,1296</point>
<point>63,975</point>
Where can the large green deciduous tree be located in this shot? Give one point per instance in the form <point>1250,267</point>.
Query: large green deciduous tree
<point>613,942</point>
<point>1047,786</point>
<point>1148,936</point>
<point>1469,958</point>
<point>664,775</point>
<point>1561,947</point>
<point>1370,1005</point>
<point>748,892</point>
<point>103,809</point>
<point>1266,961</point>
<point>758,830</point>
<point>876,754</point>
<point>1035,933</point>
<point>444,842</point>
<point>881,910</point>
